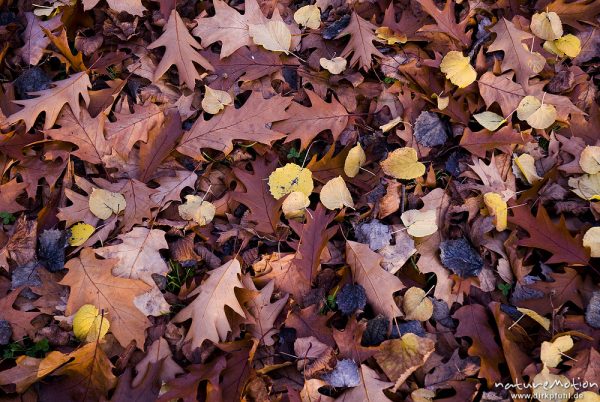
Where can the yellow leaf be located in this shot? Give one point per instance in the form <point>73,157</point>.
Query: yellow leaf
<point>588,396</point>
<point>89,324</point>
<point>354,161</point>
<point>589,160</point>
<point>490,120</point>
<point>568,45</point>
<point>420,223</point>
<point>215,100</point>
<point>80,233</point>
<point>546,25</point>
<point>543,321</point>
<point>535,113</point>
<point>442,101</point>
<point>552,352</point>
<point>526,168</point>
<point>391,124</point>
<point>335,194</point>
<point>551,387</point>
<point>586,186</point>
<point>309,16</point>
<point>497,208</point>
<point>416,305</point>
<point>458,69</point>
<point>422,395</point>
<point>294,205</point>
<point>290,178</point>
<point>335,66</point>
<point>403,164</point>
<point>591,239</point>
<point>390,36</point>
<point>272,35</point>
<point>197,210</point>
<point>103,203</point>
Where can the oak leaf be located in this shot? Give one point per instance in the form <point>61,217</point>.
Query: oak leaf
<point>262,313</point>
<point>180,50</point>
<point>129,128</point>
<point>92,282</point>
<point>361,42</point>
<point>246,123</point>
<point>446,21</point>
<point>572,12</point>
<point>133,7</point>
<point>20,321</point>
<point>379,284</point>
<point>207,311</point>
<point>51,101</point>
<point>505,139</point>
<point>61,43</point>
<point>158,351</point>
<point>370,389</point>
<point>35,41</point>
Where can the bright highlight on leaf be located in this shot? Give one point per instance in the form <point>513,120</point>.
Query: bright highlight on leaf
<point>537,114</point>
<point>403,164</point>
<point>497,208</point>
<point>589,160</point>
<point>290,178</point>
<point>390,36</point>
<point>552,352</point>
<point>308,16</point>
<point>569,45</point>
<point>543,321</point>
<point>294,205</point>
<point>422,395</point>
<point>420,223</point>
<point>442,101</point>
<point>390,124</point>
<point>556,388</point>
<point>526,170</point>
<point>591,239</point>
<point>335,194</point>
<point>354,161</point>
<point>335,66</point>
<point>458,69</point>
<point>104,203</point>
<point>197,210</point>
<point>546,25</point>
<point>272,35</point>
<point>416,305</point>
<point>89,324</point>
<point>215,100</point>
<point>490,120</point>
<point>80,233</point>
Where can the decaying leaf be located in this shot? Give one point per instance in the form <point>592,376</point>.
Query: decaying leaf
<point>335,66</point>
<point>197,210</point>
<point>103,203</point>
<point>290,178</point>
<point>308,16</point>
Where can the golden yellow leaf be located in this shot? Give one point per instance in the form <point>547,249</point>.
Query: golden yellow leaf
<point>591,239</point>
<point>458,69</point>
<point>272,35</point>
<point>354,160</point>
<point>497,208</point>
<point>589,160</point>
<point>80,233</point>
<point>586,186</point>
<point>403,164</point>
<point>391,37</point>
<point>422,395</point>
<point>89,324</point>
<point>215,100</point>
<point>390,124</point>
<point>588,396</point>
<point>308,16</point>
<point>490,120</point>
<point>546,25</point>
<point>551,353</point>
<point>335,66</point>
<point>103,203</point>
<point>569,45</point>
<point>290,178</point>
<point>335,194</point>
<point>551,387</point>
<point>535,113</point>
<point>416,305</point>
<point>543,321</point>
<point>295,205</point>
<point>420,223</point>
<point>197,210</point>
<point>526,168</point>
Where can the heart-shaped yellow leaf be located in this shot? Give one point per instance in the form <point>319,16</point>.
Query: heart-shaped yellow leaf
<point>308,16</point>
<point>458,69</point>
<point>354,161</point>
<point>551,353</point>
<point>420,223</point>
<point>335,194</point>
<point>497,208</point>
<point>80,233</point>
<point>591,239</point>
<point>197,210</point>
<point>546,25</point>
<point>586,186</point>
<point>294,205</point>
<point>335,66</point>
<point>272,35</point>
<point>416,305</point>
<point>215,100</point>
<point>403,164</point>
<point>568,45</point>
<point>89,324</point>
<point>104,203</point>
<point>537,114</point>
<point>290,178</point>
<point>589,160</point>
<point>489,120</point>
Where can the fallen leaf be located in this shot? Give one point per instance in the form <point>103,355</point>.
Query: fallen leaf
<point>197,210</point>
<point>335,194</point>
<point>308,16</point>
<point>290,178</point>
<point>356,159</point>
<point>89,324</point>
<point>272,35</point>
<point>568,45</point>
<point>526,168</point>
<point>546,25</point>
<point>403,164</point>
<point>295,204</point>
<point>589,160</point>
<point>389,36</point>
<point>490,120</point>
<point>591,240</point>
<point>420,223</point>
<point>215,100</point>
<point>416,305</point>
<point>360,44</point>
<point>458,69</point>
<point>80,233</point>
<point>497,208</point>
<point>335,65</point>
<point>535,113</point>
<point>103,203</point>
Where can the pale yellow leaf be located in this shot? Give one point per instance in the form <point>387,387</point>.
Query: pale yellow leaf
<point>497,208</point>
<point>422,395</point>
<point>197,210</point>
<point>535,113</point>
<point>335,66</point>
<point>389,36</point>
<point>335,194</point>
<point>403,163</point>
<point>546,25</point>
<point>272,35</point>
<point>354,161</point>
<point>551,387</point>
<point>290,178</point>
<point>308,16</point>
<point>458,69</point>
<point>543,321</point>
<point>490,120</point>
<point>586,186</point>
<point>80,233</point>
<point>295,205</point>
<point>420,223</point>
<point>589,160</point>
<point>525,164</point>
<point>551,353</point>
<point>416,305</point>
<point>103,203</point>
<point>391,124</point>
<point>442,101</point>
<point>591,239</point>
<point>89,324</point>
<point>215,100</point>
<point>588,396</point>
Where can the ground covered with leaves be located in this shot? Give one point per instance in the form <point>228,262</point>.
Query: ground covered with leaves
<point>286,201</point>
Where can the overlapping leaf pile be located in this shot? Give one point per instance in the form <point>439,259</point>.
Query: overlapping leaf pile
<point>297,201</point>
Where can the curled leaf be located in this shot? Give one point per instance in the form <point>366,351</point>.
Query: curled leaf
<point>389,36</point>
<point>215,100</point>
<point>546,25</point>
<point>354,161</point>
<point>497,208</point>
<point>526,170</point>
<point>552,352</point>
<point>295,204</point>
<point>591,239</point>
